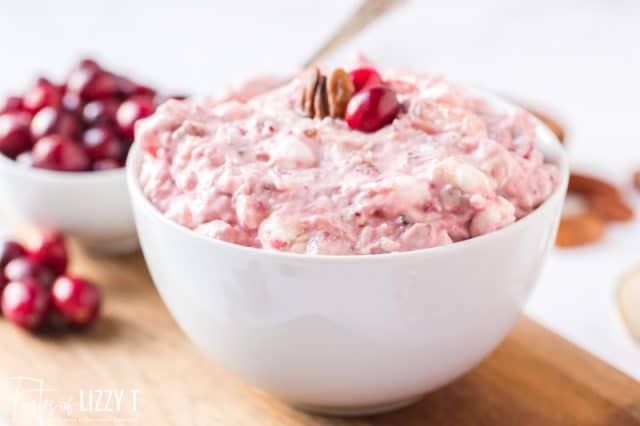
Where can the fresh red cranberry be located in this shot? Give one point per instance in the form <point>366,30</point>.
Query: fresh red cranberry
<point>49,249</point>
<point>50,120</point>
<point>11,104</point>
<point>102,144</point>
<point>26,159</point>
<point>69,125</point>
<point>92,83</point>
<point>132,110</point>
<point>41,94</point>
<point>76,299</point>
<point>108,164</point>
<point>56,152</point>
<point>372,108</point>
<point>72,102</point>
<point>364,78</point>
<point>14,133</point>
<point>89,63</point>
<point>102,111</point>
<point>9,250</point>
<point>24,267</point>
<point>130,88</point>
<point>25,303</point>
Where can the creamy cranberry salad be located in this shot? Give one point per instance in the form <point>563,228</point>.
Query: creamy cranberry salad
<point>415,162</point>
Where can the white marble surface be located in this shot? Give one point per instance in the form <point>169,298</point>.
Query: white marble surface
<point>581,58</point>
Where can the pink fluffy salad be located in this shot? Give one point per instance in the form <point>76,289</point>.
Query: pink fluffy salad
<point>247,168</point>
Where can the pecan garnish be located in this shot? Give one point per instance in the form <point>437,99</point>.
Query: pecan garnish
<point>320,99</point>
<point>340,89</point>
<point>325,96</point>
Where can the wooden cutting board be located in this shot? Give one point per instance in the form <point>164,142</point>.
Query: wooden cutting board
<point>137,352</point>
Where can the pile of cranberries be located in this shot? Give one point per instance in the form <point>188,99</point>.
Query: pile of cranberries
<point>373,105</point>
<point>84,124</point>
<point>35,290</point>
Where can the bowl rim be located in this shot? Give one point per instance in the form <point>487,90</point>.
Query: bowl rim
<point>546,141</point>
<point>9,165</point>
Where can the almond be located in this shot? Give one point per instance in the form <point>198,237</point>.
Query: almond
<point>610,208</point>
<point>636,180</point>
<point>591,185</point>
<point>579,230</point>
<point>629,302</point>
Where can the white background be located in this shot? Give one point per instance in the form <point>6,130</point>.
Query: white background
<point>581,59</point>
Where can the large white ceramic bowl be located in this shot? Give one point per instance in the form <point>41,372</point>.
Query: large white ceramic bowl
<point>92,206</point>
<point>348,334</point>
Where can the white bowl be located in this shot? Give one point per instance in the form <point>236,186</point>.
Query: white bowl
<point>348,334</point>
<point>92,206</point>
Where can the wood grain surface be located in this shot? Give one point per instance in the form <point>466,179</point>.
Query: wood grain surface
<point>534,378</point>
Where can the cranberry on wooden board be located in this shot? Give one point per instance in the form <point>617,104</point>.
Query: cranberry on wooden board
<point>76,299</point>
<point>102,144</point>
<point>41,94</point>
<point>24,267</point>
<point>25,303</point>
<point>56,152</point>
<point>364,78</point>
<point>15,137</point>
<point>9,250</point>
<point>371,109</point>
<point>11,104</point>
<point>49,249</point>
<point>132,110</point>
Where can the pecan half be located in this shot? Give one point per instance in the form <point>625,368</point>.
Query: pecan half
<point>309,81</point>
<point>320,99</point>
<point>323,96</point>
<point>340,89</point>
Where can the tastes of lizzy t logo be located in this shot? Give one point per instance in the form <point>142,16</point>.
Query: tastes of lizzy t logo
<point>33,402</point>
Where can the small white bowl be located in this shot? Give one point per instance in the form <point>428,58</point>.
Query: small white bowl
<point>348,335</point>
<point>92,206</point>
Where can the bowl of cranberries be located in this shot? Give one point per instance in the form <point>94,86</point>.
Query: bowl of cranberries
<point>36,291</point>
<point>63,148</point>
